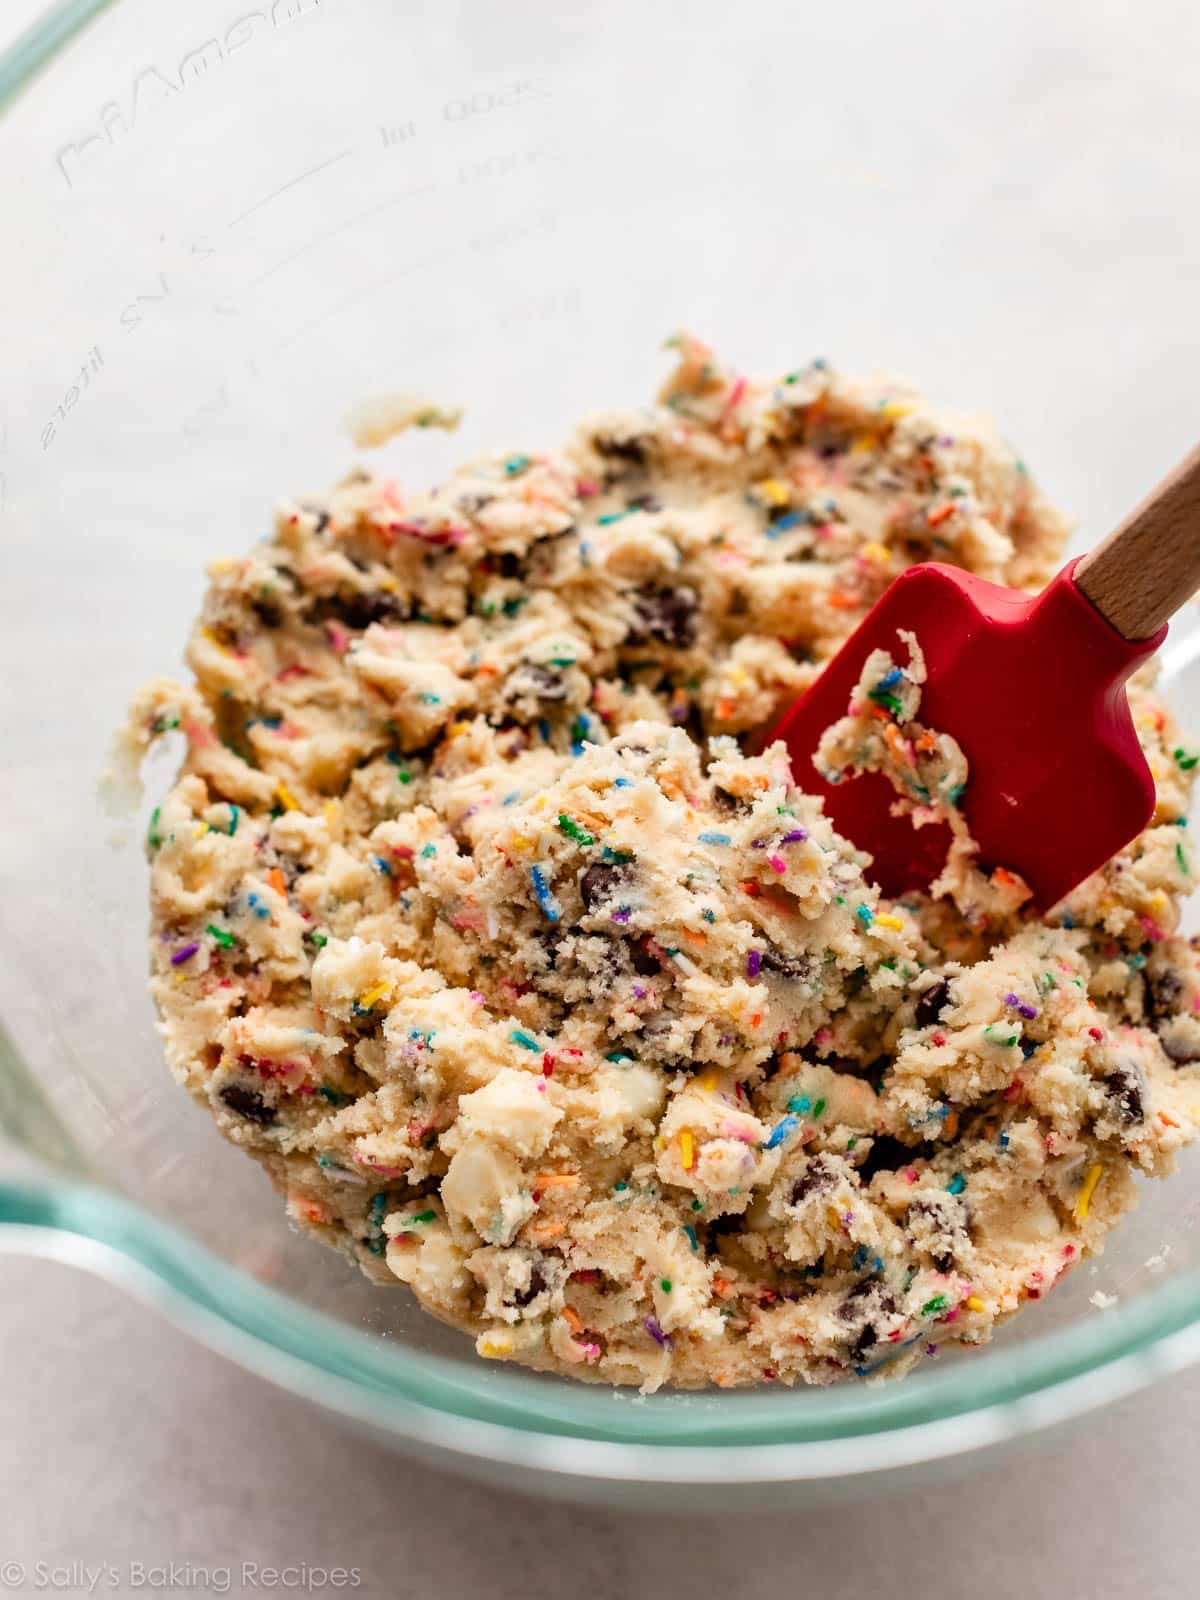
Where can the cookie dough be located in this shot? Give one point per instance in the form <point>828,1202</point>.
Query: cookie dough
<point>531,989</point>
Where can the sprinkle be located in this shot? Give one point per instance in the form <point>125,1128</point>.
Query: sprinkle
<point>957,1184</point>
<point>573,830</point>
<point>753,963</point>
<point>541,889</point>
<point>516,464</point>
<point>429,850</point>
<point>153,836</point>
<point>889,921</point>
<point>800,1103</point>
<point>665,1285</point>
<point>493,1346</point>
<point>525,1040</point>
<point>771,492</point>
<point>796,836</point>
<point>652,1328</point>
<point>687,1150</point>
<point>619,1057</point>
<point>778,863</point>
<point>691,1236</point>
<point>817,1109</point>
<point>622,783</point>
<point>1181,858</point>
<point>222,936</point>
<point>1022,1007</point>
<point>375,993</point>
<point>865,915</point>
<point>781,524</point>
<point>711,837</point>
<point>184,954</point>
<point>974,1303</point>
<point>1084,1201</point>
<point>780,1132</point>
<point>1183,761</point>
<point>278,882</point>
<point>286,798</point>
<point>937,515</point>
<point>938,1303</point>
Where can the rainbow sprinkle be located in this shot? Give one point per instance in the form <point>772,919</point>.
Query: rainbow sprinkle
<point>1084,1202</point>
<point>780,1132</point>
<point>545,899</point>
<point>573,831</point>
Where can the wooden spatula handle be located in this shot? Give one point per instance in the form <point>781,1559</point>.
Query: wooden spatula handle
<point>1150,566</point>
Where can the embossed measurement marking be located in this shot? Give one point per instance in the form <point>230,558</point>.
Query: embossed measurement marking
<point>302,177</point>
<point>90,369</point>
<point>340,227</point>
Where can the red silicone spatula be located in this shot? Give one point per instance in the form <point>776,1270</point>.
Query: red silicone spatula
<point>1033,689</point>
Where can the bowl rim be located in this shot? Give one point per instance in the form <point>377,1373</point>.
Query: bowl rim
<point>37,46</point>
<point>515,1420</point>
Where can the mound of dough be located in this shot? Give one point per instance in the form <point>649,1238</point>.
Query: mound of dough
<point>531,989</point>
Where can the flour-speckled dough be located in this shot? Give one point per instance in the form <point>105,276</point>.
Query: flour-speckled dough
<point>474,924</point>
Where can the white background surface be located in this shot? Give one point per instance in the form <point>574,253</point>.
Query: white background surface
<point>124,1442</point>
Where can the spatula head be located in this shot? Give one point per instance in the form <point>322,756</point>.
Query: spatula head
<point>1032,688</point>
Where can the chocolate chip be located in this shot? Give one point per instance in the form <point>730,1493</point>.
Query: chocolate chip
<point>644,964</point>
<point>359,609</point>
<point>319,513</point>
<point>866,1305</point>
<point>537,1284</point>
<point>932,1003</point>
<point>249,1104</point>
<point>267,611</point>
<point>793,967</point>
<point>631,449</point>
<point>1164,991</point>
<point>729,805</point>
<point>668,1041</point>
<point>668,615</point>
<point>1126,1088</point>
<point>937,1224</point>
<point>818,1177</point>
<point>533,681</point>
<point>550,940</point>
<point>602,882</point>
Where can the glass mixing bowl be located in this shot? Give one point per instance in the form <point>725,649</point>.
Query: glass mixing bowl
<point>225,226</point>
